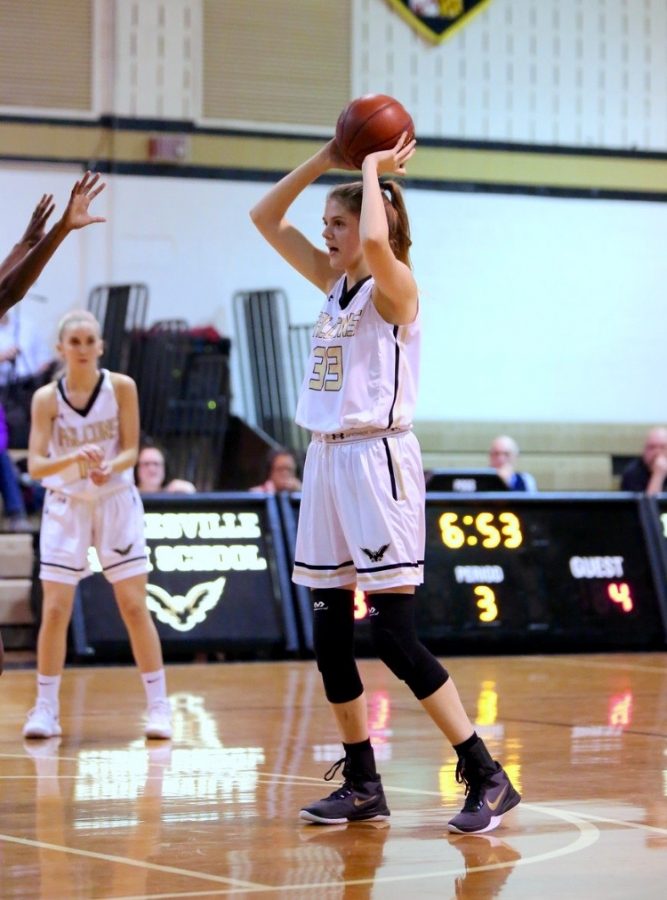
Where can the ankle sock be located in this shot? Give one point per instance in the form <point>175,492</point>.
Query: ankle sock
<point>48,689</point>
<point>468,744</point>
<point>362,760</point>
<point>155,685</point>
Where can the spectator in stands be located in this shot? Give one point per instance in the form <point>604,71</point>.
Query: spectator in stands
<point>150,474</point>
<point>25,262</point>
<point>648,472</point>
<point>281,473</point>
<point>24,350</point>
<point>503,457</point>
<point>10,486</point>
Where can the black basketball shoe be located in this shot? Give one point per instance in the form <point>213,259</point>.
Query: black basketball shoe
<point>357,800</point>
<point>489,793</point>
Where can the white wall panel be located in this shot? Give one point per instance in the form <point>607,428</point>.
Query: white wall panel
<point>158,59</point>
<point>569,72</point>
<point>534,309</point>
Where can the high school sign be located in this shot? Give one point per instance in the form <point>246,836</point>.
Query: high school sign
<point>437,19</point>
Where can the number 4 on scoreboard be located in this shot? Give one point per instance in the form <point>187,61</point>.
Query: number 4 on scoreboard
<point>620,593</point>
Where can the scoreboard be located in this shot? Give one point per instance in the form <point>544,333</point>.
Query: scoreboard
<point>542,571</point>
<point>504,572</point>
<point>514,572</point>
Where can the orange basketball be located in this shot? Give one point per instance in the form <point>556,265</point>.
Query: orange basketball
<point>369,123</point>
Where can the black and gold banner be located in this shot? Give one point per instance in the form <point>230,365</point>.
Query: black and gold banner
<point>437,19</point>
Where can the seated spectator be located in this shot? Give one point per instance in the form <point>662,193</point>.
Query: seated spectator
<point>10,486</point>
<point>150,474</point>
<point>648,472</point>
<point>281,471</point>
<point>24,351</point>
<point>503,457</point>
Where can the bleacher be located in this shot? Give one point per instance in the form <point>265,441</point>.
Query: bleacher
<point>563,456</point>
<point>16,584</point>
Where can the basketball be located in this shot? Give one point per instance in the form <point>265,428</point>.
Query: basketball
<point>369,123</point>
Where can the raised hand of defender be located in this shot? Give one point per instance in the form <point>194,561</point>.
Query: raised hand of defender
<point>35,229</point>
<point>76,213</point>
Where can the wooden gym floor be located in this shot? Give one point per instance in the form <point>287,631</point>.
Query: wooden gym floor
<point>101,813</point>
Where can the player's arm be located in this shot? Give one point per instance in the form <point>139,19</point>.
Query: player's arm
<point>32,235</point>
<point>43,412</point>
<point>269,217</point>
<point>128,422</point>
<point>15,283</point>
<point>395,295</point>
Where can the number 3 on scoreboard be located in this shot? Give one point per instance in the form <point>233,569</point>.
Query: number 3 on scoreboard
<point>486,603</point>
<point>327,368</point>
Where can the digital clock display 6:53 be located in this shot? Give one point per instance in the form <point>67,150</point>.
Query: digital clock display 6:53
<point>484,529</point>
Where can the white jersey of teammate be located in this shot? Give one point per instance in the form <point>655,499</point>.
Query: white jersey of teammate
<point>362,372</point>
<point>97,424</point>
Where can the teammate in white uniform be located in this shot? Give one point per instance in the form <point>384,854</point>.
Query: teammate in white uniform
<point>83,444</point>
<point>361,520</point>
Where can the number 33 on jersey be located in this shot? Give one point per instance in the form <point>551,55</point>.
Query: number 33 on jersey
<point>362,371</point>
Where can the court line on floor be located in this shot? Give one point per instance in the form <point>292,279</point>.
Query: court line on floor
<point>607,820</point>
<point>583,822</point>
<point>588,835</point>
<point>129,861</point>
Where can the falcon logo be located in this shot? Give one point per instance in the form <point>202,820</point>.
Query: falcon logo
<point>183,613</point>
<point>123,551</point>
<point>375,555</point>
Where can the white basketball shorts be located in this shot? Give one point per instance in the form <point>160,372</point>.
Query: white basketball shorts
<point>113,524</point>
<point>361,519</point>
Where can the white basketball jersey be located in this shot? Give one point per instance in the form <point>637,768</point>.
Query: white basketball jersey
<point>96,424</point>
<point>362,372</point>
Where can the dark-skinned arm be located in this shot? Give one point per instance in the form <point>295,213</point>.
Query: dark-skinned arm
<point>16,279</point>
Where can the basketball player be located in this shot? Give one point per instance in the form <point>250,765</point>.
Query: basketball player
<point>361,520</point>
<point>25,262</point>
<point>83,445</point>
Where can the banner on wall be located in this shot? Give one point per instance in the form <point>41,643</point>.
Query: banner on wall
<point>437,19</point>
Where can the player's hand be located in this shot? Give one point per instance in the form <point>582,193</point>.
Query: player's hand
<point>76,213</point>
<point>660,464</point>
<point>335,157</point>
<point>91,454</point>
<point>35,230</point>
<point>392,162</point>
<point>100,474</point>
